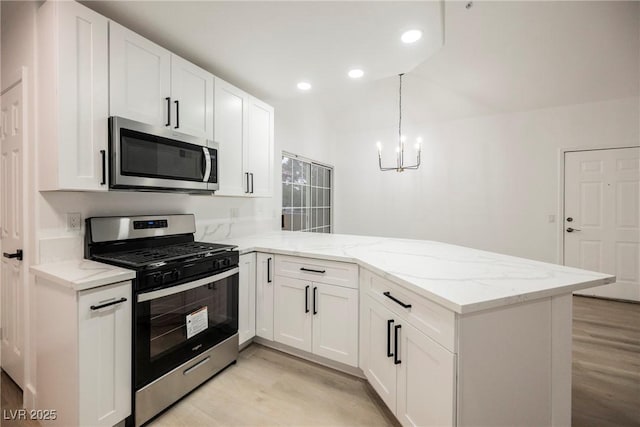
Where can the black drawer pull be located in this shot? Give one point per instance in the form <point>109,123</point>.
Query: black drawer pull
<point>107,304</point>
<point>315,297</point>
<point>396,336</point>
<point>103,154</point>
<point>269,270</point>
<point>391,297</point>
<point>311,270</point>
<point>306,299</point>
<point>177,114</point>
<point>389,324</point>
<point>168,99</point>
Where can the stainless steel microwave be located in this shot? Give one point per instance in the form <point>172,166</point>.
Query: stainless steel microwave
<point>149,158</point>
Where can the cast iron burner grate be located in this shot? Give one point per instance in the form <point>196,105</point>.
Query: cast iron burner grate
<point>143,257</point>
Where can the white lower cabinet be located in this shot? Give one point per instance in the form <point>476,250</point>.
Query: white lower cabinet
<point>292,313</point>
<point>317,318</point>
<point>264,295</point>
<point>83,353</point>
<point>413,374</point>
<point>247,298</point>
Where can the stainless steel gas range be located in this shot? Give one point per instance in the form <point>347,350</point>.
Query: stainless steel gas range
<point>185,322</point>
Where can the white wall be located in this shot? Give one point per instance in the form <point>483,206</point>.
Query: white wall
<point>488,182</point>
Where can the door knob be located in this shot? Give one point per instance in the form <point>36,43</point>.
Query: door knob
<point>569,219</point>
<point>571,230</point>
<point>17,254</point>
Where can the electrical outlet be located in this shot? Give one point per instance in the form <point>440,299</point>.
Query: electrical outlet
<point>74,221</point>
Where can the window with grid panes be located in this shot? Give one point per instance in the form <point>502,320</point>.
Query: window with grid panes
<point>306,195</point>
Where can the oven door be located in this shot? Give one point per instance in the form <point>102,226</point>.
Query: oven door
<point>147,157</point>
<point>175,324</point>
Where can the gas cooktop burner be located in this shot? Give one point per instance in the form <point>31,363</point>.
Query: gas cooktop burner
<point>143,257</point>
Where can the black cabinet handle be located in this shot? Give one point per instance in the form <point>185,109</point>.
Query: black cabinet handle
<point>17,255</point>
<point>306,299</point>
<point>269,270</point>
<point>177,114</point>
<point>389,324</point>
<point>315,298</point>
<point>168,99</point>
<point>396,336</point>
<point>103,153</point>
<point>247,175</point>
<point>311,270</point>
<point>107,304</point>
<point>251,182</point>
<point>391,297</point>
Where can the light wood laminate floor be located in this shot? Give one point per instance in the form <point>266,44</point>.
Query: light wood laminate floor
<point>606,363</point>
<point>268,388</point>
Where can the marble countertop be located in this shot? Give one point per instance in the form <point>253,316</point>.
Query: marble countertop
<point>82,274</point>
<point>461,279</point>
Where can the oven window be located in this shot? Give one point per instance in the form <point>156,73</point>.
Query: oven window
<point>207,305</point>
<point>155,157</point>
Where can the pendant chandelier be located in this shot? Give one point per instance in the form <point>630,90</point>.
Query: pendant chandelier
<point>400,166</point>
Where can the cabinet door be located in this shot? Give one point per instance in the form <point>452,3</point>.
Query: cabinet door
<point>230,129</point>
<point>192,98</point>
<point>247,298</point>
<point>73,96</point>
<point>264,295</point>
<point>139,77</point>
<point>376,329</point>
<point>335,323</point>
<point>104,355</point>
<point>426,380</point>
<point>259,157</point>
<point>292,313</point>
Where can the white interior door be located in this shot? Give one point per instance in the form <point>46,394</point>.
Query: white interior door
<point>11,220</point>
<point>602,217</point>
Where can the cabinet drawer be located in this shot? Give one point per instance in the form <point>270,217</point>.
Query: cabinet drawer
<point>315,270</point>
<point>428,317</point>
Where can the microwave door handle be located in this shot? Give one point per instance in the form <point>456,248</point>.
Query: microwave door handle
<point>207,164</point>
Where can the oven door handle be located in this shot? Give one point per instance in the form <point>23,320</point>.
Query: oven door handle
<point>148,296</point>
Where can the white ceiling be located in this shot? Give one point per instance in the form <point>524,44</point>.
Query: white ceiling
<point>497,56</point>
<point>515,56</point>
<point>267,47</point>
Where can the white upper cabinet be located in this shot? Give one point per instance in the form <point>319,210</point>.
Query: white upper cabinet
<point>259,153</point>
<point>72,97</point>
<point>140,78</point>
<point>231,111</point>
<point>244,130</point>
<point>192,98</point>
<point>149,84</point>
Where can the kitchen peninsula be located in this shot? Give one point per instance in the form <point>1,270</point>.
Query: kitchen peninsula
<point>479,338</point>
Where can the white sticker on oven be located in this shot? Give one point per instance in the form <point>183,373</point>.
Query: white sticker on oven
<point>197,322</point>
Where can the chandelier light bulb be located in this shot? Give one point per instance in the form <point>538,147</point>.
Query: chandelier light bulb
<point>419,140</point>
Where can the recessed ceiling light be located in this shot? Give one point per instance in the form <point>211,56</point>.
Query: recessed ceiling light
<point>304,85</point>
<point>356,73</point>
<point>411,36</point>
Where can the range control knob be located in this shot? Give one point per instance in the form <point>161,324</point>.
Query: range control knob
<point>157,278</point>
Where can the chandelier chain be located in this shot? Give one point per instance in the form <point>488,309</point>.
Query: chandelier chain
<point>400,109</point>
